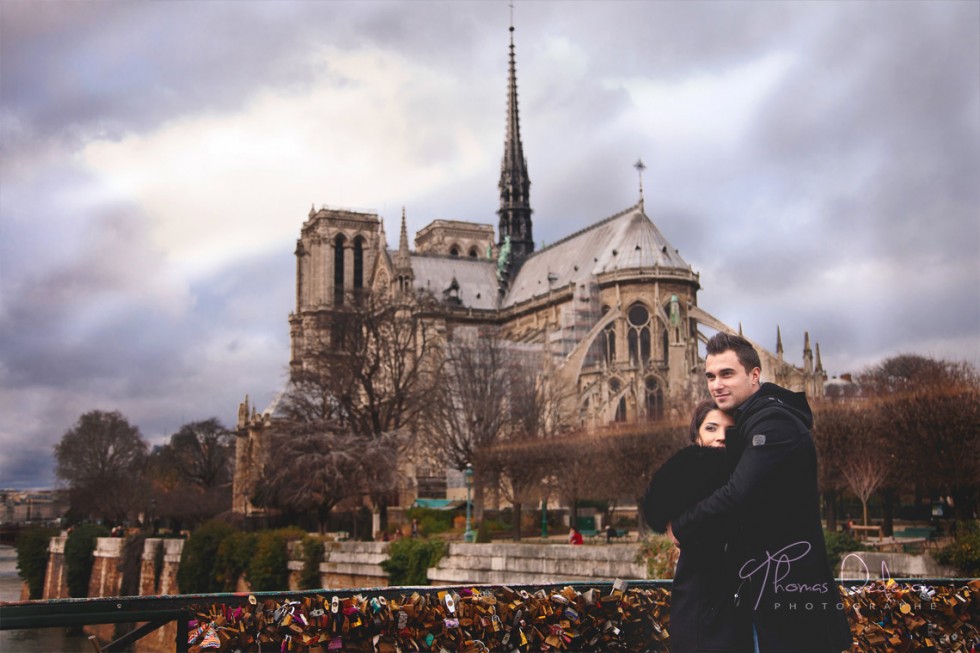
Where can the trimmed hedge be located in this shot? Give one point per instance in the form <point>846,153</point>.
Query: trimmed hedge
<point>431,521</point>
<point>309,578</point>
<point>268,569</point>
<point>839,545</point>
<point>32,557</point>
<point>197,561</point>
<point>216,556</point>
<point>232,559</point>
<point>410,558</point>
<point>79,558</point>
<point>964,552</point>
<point>659,555</point>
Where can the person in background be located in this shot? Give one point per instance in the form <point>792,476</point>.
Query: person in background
<point>574,537</point>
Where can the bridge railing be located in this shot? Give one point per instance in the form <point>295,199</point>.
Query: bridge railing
<point>938,613</point>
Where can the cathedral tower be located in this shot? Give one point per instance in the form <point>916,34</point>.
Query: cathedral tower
<point>335,255</point>
<point>515,186</point>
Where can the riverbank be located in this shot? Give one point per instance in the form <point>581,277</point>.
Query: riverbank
<point>41,640</point>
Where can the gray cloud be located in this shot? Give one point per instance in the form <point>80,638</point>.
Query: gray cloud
<point>863,157</point>
<point>158,370</point>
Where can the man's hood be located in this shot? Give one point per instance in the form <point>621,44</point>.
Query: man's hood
<point>794,401</point>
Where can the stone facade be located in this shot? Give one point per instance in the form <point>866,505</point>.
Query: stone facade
<point>455,238</point>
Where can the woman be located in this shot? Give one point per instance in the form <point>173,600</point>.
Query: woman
<point>703,615</point>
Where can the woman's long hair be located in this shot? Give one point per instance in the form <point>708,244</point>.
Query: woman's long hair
<point>700,412</point>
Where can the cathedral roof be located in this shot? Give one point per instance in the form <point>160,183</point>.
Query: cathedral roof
<point>477,278</point>
<point>626,241</point>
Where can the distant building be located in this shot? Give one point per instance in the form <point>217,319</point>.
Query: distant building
<point>31,506</point>
<point>615,303</point>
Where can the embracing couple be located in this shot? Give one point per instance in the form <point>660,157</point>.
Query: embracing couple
<point>742,504</point>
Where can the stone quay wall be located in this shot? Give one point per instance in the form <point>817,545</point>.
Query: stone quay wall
<point>158,576</point>
<point>345,565</point>
<point>106,579</point>
<point>502,564</point>
<point>55,580</point>
<point>881,564</point>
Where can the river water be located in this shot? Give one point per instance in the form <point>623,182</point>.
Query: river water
<point>41,640</point>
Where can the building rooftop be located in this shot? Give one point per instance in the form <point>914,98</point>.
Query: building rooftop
<point>626,241</point>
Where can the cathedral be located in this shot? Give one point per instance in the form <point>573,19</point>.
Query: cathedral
<point>614,304</point>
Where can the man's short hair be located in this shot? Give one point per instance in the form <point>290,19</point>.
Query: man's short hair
<point>744,351</point>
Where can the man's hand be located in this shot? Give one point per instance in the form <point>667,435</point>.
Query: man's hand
<point>670,534</point>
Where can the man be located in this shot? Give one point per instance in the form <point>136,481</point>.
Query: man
<point>779,561</point>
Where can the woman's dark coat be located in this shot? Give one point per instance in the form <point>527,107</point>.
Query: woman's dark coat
<point>703,616</point>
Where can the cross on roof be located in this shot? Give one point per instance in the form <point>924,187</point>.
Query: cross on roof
<point>640,167</point>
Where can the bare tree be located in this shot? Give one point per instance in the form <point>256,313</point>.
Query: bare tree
<point>833,434</point>
<point>627,456</point>
<point>538,414</point>
<point>468,410</point>
<point>941,442</point>
<point>203,453</point>
<point>929,410</point>
<point>101,459</point>
<point>912,373</point>
<point>864,472</point>
<point>365,382</point>
<point>312,472</point>
<point>191,475</point>
<point>518,469</point>
<point>575,473</point>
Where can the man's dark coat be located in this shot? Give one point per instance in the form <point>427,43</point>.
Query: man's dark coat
<point>777,539</point>
<point>703,616</point>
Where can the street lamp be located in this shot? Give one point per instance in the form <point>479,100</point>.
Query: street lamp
<point>468,479</point>
<point>544,517</point>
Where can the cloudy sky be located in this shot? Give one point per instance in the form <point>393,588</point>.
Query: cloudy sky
<point>816,162</point>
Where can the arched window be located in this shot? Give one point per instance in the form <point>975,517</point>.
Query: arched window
<point>338,269</point>
<point>654,399</point>
<point>614,388</point>
<point>638,336</point>
<point>472,253</point>
<point>607,340</point>
<point>583,412</point>
<point>358,263</point>
<point>675,321</point>
<point>454,251</point>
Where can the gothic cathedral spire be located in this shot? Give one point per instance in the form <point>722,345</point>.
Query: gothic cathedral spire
<point>515,186</point>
